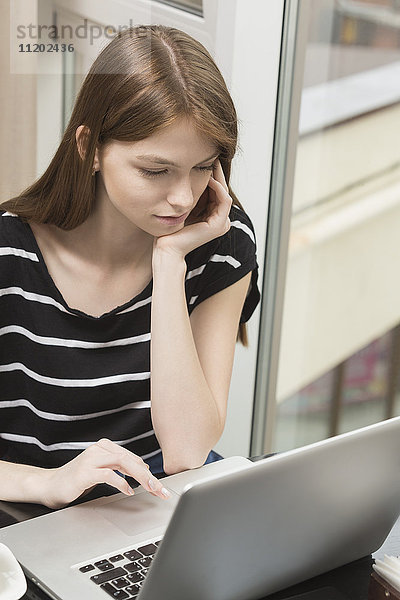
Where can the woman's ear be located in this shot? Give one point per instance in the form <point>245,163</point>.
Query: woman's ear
<point>82,135</point>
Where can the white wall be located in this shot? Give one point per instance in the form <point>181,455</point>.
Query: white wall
<point>17,101</point>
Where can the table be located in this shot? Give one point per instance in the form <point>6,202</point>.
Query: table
<point>351,581</point>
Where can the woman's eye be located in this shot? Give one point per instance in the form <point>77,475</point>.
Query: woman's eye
<point>147,173</point>
<point>209,168</point>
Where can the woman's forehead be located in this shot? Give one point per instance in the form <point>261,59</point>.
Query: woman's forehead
<point>173,145</point>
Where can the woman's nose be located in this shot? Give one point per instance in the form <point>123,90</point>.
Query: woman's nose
<point>181,199</point>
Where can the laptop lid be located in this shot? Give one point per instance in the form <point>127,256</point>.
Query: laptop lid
<point>286,519</point>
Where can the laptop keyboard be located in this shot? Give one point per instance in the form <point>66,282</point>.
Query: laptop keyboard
<point>121,575</point>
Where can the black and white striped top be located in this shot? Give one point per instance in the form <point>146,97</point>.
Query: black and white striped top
<point>68,379</point>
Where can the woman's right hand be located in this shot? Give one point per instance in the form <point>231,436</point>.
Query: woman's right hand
<point>97,464</point>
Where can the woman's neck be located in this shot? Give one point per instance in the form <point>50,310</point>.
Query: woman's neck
<point>107,239</point>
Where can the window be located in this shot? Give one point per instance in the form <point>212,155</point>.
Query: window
<point>193,6</point>
<point>338,359</point>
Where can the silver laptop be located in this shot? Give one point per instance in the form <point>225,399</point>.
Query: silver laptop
<point>232,530</point>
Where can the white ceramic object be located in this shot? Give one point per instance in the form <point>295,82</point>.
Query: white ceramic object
<point>12,579</point>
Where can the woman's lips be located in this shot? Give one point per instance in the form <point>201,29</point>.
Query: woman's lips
<point>172,220</point>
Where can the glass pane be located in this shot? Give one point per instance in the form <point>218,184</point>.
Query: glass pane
<point>194,6</point>
<point>339,356</point>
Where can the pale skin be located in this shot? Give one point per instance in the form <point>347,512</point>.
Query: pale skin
<point>190,377</point>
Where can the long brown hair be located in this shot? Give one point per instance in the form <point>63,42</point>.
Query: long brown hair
<point>141,82</point>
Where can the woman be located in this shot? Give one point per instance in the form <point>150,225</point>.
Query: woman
<point>126,258</point>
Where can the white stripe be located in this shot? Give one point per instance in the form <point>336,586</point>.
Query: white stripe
<point>195,272</point>
<point>68,343</point>
<point>229,259</point>
<point>60,417</point>
<point>214,258</point>
<point>8,214</point>
<point>27,439</point>
<point>33,297</point>
<point>150,454</point>
<point>245,228</point>
<point>8,250</point>
<point>193,299</point>
<point>74,382</point>
<point>136,305</point>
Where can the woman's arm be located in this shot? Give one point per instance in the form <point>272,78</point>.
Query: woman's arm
<point>191,359</point>
<point>22,483</point>
<point>191,363</point>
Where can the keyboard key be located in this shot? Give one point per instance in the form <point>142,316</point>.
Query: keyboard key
<point>116,558</point>
<point>103,565</point>
<point>133,589</point>
<point>108,575</point>
<point>133,555</point>
<point>86,568</point>
<point>120,583</point>
<point>144,572</point>
<point>135,577</point>
<point>118,594</point>
<point>157,543</point>
<point>145,562</point>
<point>132,567</point>
<point>148,549</point>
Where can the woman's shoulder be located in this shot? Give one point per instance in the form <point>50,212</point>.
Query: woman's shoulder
<point>239,241</point>
<point>8,221</point>
<point>238,213</point>
<point>242,226</point>
<point>223,261</point>
<point>15,238</point>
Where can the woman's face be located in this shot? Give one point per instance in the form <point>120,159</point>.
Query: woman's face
<point>155,183</point>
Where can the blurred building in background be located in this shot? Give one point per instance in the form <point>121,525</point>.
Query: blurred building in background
<point>339,364</point>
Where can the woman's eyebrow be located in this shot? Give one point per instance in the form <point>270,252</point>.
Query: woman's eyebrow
<point>164,161</point>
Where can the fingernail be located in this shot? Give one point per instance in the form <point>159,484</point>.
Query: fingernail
<point>165,493</point>
<point>152,485</point>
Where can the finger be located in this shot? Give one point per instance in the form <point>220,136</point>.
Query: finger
<point>224,203</point>
<point>106,475</point>
<point>146,479</point>
<point>115,449</point>
<point>119,458</point>
<point>141,472</point>
<point>218,174</point>
<point>105,443</point>
<point>148,467</point>
<point>106,453</point>
<point>219,187</point>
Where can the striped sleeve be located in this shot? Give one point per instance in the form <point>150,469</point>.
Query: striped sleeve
<point>224,261</point>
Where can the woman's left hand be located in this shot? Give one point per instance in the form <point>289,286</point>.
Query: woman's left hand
<point>217,206</point>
